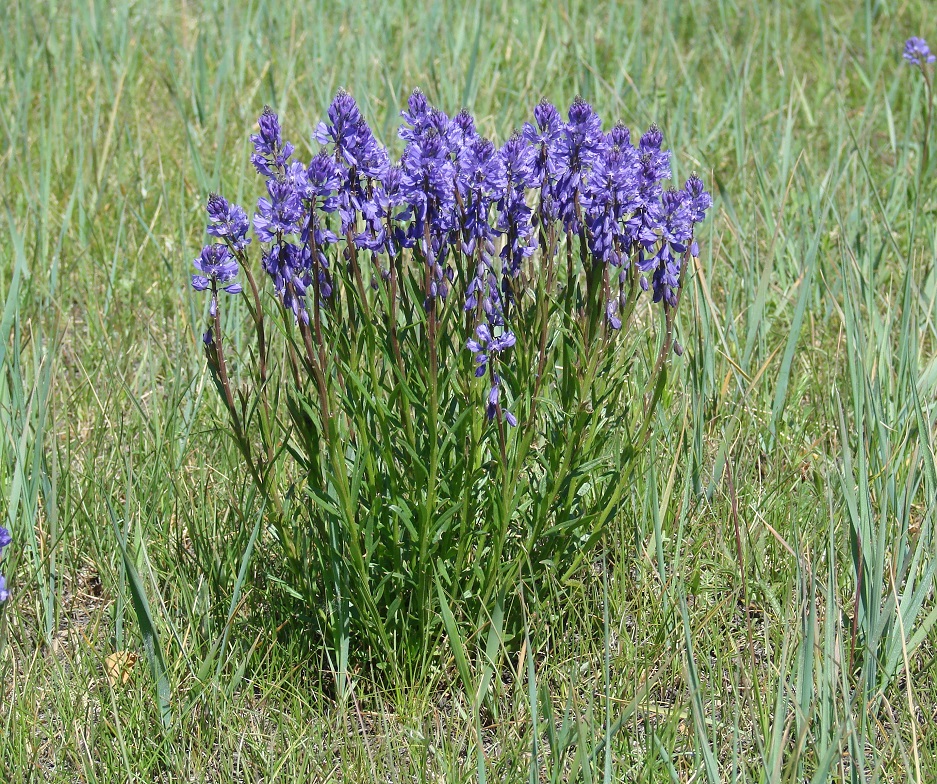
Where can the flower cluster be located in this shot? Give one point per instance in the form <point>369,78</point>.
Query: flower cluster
<point>217,268</point>
<point>917,52</point>
<point>5,540</point>
<point>472,213</point>
<point>216,264</point>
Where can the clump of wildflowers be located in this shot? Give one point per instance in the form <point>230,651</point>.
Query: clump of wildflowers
<point>395,391</point>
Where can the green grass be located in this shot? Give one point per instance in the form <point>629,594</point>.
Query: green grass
<point>725,631</point>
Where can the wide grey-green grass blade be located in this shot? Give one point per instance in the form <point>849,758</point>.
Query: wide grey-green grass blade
<point>455,640</point>
<point>45,566</point>
<point>930,484</point>
<point>777,744</point>
<point>696,702</point>
<point>151,646</point>
<point>218,648</point>
<point>805,693</point>
<point>534,711</point>
<point>12,297</point>
<point>803,297</point>
<point>606,671</point>
<point>465,673</point>
<point>927,449</point>
<point>25,419</point>
<point>493,642</point>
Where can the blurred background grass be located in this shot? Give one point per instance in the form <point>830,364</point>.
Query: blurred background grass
<point>743,622</point>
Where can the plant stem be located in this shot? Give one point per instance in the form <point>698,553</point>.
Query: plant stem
<point>395,269</point>
<point>928,114</point>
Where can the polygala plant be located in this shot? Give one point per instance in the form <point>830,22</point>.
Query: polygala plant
<point>5,541</point>
<point>452,376</point>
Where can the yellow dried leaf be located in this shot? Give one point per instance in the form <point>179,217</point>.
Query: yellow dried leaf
<point>118,665</point>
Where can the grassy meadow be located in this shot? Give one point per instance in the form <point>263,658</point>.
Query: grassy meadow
<point>763,607</point>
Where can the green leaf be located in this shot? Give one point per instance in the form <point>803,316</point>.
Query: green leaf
<point>151,646</point>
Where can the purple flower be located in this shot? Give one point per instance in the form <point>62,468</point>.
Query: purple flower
<point>517,157</point>
<point>422,118</point>
<point>698,200</point>
<point>610,196</point>
<point>323,178</point>
<point>545,138</point>
<point>514,216</point>
<point>611,200</point>
<point>666,278</point>
<point>346,129</point>
<point>291,269</point>
<point>461,132</point>
<point>382,213</point>
<point>427,181</point>
<point>390,194</point>
<point>677,225</point>
<point>619,138</point>
<point>268,141</point>
<point>655,162</point>
<point>488,348</point>
<point>583,139</point>
<point>428,148</point>
<point>484,289</point>
<point>218,268</point>
<point>481,169</point>
<point>5,540</point>
<point>652,168</point>
<point>359,157</point>
<point>494,395</point>
<point>581,145</point>
<point>280,214</point>
<point>680,211</point>
<point>676,231</point>
<point>227,221</point>
<point>427,184</point>
<point>493,405</point>
<point>917,52</point>
<point>481,175</point>
<point>270,153</point>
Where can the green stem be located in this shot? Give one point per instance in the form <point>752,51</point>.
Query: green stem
<point>430,505</point>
